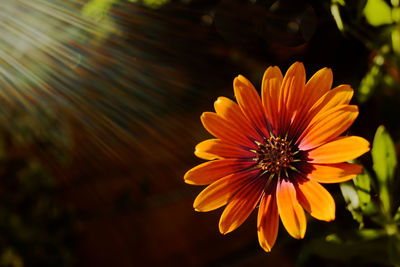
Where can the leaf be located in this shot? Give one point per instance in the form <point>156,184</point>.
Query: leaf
<point>363,187</point>
<point>151,3</point>
<point>95,8</point>
<point>352,200</point>
<point>370,234</point>
<point>336,16</point>
<point>384,158</point>
<point>369,83</point>
<point>397,215</point>
<point>396,40</point>
<point>378,12</point>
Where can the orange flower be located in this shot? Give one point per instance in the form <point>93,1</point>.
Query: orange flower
<point>274,152</point>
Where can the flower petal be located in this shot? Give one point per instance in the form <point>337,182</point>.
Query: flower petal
<point>268,221</point>
<point>291,95</point>
<point>339,150</point>
<point>328,126</point>
<point>315,88</point>
<point>318,85</point>
<point>340,95</point>
<point>270,91</point>
<point>209,172</point>
<point>241,205</point>
<point>225,130</point>
<point>220,149</point>
<point>230,111</point>
<point>316,200</point>
<point>331,173</point>
<point>290,211</point>
<point>218,193</point>
<point>250,103</point>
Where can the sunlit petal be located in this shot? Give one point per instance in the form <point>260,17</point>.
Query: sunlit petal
<point>331,173</point>
<point>316,200</point>
<point>339,150</point>
<point>268,221</point>
<point>290,211</point>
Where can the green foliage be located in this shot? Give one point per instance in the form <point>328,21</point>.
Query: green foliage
<point>362,184</point>
<point>151,3</point>
<point>353,201</point>
<point>370,198</point>
<point>358,193</point>
<point>385,162</point>
<point>376,24</point>
<point>96,8</point>
<point>378,13</point>
<point>336,15</point>
<point>370,81</point>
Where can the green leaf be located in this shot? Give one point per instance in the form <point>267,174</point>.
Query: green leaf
<point>370,234</point>
<point>384,158</point>
<point>363,187</point>
<point>363,184</point>
<point>352,200</point>
<point>336,15</point>
<point>369,83</point>
<point>356,236</point>
<point>397,215</point>
<point>378,13</point>
<point>396,40</point>
<point>95,8</point>
<point>151,3</point>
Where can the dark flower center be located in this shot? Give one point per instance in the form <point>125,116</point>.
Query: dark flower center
<point>275,155</point>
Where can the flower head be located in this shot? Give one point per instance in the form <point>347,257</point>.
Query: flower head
<point>276,151</point>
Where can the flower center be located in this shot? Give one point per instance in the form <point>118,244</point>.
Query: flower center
<point>275,154</point>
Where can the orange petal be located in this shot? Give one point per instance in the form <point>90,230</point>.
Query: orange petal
<point>270,91</point>
<point>250,103</point>
<point>220,149</point>
<point>218,193</point>
<point>209,172</point>
<point>316,87</point>
<point>231,112</point>
<point>205,155</point>
<point>331,173</point>
<point>328,126</point>
<point>290,211</point>
<point>340,95</point>
<point>224,130</point>
<point>267,221</point>
<point>291,94</point>
<point>241,205</point>
<point>316,200</point>
<point>339,150</point>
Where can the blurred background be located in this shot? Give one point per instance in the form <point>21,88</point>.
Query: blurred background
<point>100,113</point>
